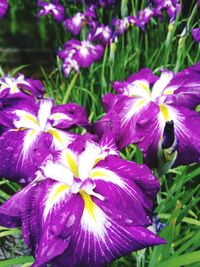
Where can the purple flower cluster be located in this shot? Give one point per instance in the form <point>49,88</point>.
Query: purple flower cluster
<point>74,184</point>
<point>75,51</point>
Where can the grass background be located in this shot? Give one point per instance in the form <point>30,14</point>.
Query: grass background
<point>160,46</point>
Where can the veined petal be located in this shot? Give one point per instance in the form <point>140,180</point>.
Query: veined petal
<point>21,152</point>
<point>116,180</point>
<point>49,219</point>
<point>129,111</point>
<point>106,240</point>
<point>10,211</point>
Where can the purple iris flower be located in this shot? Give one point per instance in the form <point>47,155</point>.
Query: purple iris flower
<point>54,9</point>
<point>70,213</point>
<point>79,54</point>
<point>101,33</point>
<point>121,25</point>
<point>161,120</point>
<point>32,130</point>
<point>3,7</point>
<point>172,7</point>
<point>196,34</point>
<point>75,23</point>
<point>20,86</point>
<point>143,17</point>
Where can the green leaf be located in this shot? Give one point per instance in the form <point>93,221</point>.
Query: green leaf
<point>182,260</point>
<point>14,262</point>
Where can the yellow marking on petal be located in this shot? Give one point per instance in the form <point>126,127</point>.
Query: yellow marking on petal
<point>31,133</point>
<point>27,92</point>
<point>97,160</point>
<point>89,204</point>
<point>14,89</point>
<point>31,118</point>
<point>168,91</point>
<point>165,112</point>
<point>60,189</point>
<point>72,164</point>
<point>56,135</point>
<point>57,116</point>
<point>98,173</point>
<point>140,103</point>
<point>144,86</point>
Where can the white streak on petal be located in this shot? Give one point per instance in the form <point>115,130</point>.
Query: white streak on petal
<point>161,83</point>
<point>58,172</point>
<point>58,116</point>
<point>106,175</point>
<point>26,120</point>
<point>61,139</point>
<point>29,139</point>
<point>93,218</point>
<point>70,159</point>
<point>44,112</point>
<point>87,159</point>
<point>131,109</point>
<point>56,194</point>
<point>139,88</point>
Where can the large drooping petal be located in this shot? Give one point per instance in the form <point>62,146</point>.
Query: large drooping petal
<point>134,184</point>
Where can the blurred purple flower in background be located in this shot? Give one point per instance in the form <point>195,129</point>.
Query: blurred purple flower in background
<point>101,33</point>
<point>79,54</point>
<point>172,7</point>
<point>75,23</point>
<point>143,17</point>
<point>196,34</point>
<point>3,7</point>
<point>54,9</point>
